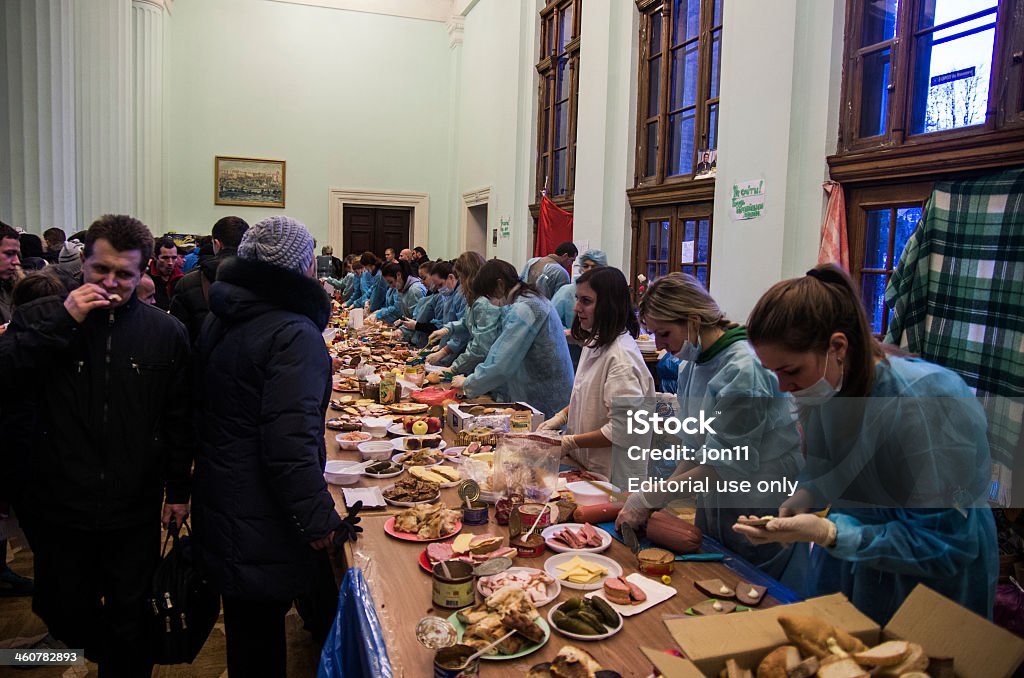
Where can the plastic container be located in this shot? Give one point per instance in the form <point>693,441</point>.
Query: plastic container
<point>377,450</point>
<point>588,495</point>
<point>351,445</point>
<point>334,473</point>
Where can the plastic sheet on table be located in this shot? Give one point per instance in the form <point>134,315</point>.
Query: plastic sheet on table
<point>356,646</point>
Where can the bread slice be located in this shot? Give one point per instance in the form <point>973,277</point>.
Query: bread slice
<point>843,668</point>
<point>779,662</point>
<point>887,654</point>
<point>915,660</point>
<point>811,636</point>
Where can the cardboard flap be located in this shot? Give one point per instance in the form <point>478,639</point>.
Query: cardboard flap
<point>945,629</point>
<point>671,666</point>
<point>748,636</point>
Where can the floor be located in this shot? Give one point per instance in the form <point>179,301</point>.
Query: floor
<point>17,620</point>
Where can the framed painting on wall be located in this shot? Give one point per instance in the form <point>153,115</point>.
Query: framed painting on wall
<point>252,182</point>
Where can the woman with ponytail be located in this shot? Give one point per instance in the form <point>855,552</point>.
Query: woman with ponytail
<point>896,445</point>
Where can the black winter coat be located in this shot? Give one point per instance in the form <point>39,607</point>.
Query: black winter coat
<point>113,429</point>
<point>189,304</point>
<point>260,496</point>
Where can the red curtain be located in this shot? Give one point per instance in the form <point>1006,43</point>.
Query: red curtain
<point>834,248</point>
<point>553,228</point>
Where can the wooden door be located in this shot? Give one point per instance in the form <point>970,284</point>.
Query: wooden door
<point>373,229</point>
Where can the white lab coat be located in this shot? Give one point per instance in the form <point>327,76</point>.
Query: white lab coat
<point>606,376</point>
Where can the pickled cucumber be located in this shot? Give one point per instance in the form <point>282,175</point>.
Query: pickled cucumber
<point>570,605</point>
<point>609,616</point>
<point>590,618</point>
<point>574,625</point>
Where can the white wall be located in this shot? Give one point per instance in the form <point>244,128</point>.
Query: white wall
<point>348,99</point>
<point>779,121</point>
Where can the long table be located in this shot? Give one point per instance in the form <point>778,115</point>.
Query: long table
<point>401,591</point>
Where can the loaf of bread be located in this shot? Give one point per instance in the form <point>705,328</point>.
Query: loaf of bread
<point>811,635</point>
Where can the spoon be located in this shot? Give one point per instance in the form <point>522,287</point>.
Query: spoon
<point>535,522</point>
<point>481,652</point>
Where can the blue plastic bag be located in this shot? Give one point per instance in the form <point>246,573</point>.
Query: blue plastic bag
<point>668,372</point>
<point>355,645</point>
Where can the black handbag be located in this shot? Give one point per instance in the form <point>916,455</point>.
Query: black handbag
<point>183,606</point>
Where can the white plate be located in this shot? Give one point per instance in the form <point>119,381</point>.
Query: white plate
<point>384,476</point>
<point>398,430</point>
<point>559,547</point>
<point>399,444</point>
<point>370,496</point>
<point>578,636</point>
<point>655,590</point>
<point>407,504</point>
<point>552,589</point>
<point>454,454</point>
<point>614,569</point>
<point>395,458</point>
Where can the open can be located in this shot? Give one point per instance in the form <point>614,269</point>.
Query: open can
<point>450,662</point>
<point>453,590</point>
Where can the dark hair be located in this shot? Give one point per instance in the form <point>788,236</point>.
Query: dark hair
<point>229,230</point>
<point>801,314</point>
<point>422,252</point>
<point>163,243</point>
<point>613,312</point>
<point>38,284</point>
<point>206,245</point>
<point>182,250</point>
<point>429,265</point>
<point>79,236</point>
<point>392,270</point>
<point>54,236</point>
<point>124,233</point>
<point>370,259</point>
<point>8,232</point>
<point>500,276</point>
<point>31,245</point>
<point>567,248</point>
<point>442,269</point>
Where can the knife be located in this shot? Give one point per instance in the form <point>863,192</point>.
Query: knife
<point>629,538</point>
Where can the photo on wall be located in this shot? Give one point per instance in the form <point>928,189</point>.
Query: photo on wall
<point>251,182</point>
<point>707,163</point>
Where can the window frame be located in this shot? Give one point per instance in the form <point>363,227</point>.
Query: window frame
<point>547,94</point>
<point>702,104</point>
<point>995,143</point>
<point>677,216</point>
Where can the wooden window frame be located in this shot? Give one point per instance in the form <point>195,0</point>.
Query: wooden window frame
<point>896,154</point>
<point>676,215</point>
<point>680,183</point>
<point>547,98</point>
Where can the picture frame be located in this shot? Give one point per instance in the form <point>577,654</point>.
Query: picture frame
<point>707,163</point>
<point>249,182</point>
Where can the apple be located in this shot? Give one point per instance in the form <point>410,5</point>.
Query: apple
<point>433,424</point>
<point>420,428</point>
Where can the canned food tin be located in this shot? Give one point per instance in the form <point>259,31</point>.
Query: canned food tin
<point>530,548</point>
<point>476,514</point>
<point>655,561</point>
<point>535,513</point>
<point>454,590</point>
<point>451,663</point>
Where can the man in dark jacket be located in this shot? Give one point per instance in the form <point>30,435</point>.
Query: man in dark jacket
<point>165,271</point>
<point>262,512</point>
<point>112,443</point>
<point>191,302</point>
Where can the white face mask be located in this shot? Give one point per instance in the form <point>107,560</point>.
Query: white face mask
<point>820,391</point>
<point>690,351</point>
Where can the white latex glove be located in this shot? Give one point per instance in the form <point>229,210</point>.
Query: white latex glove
<point>634,513</point>
<point>435,357</point>
<point>806,527</point>
<point>569,444</point>
<point>458,381</point>
<point>556,422</point>
<point>437,335</point>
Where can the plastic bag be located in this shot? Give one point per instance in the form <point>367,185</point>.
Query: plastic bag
<point>433,395</point>
<point>355,646</point>
<point>527,464</point>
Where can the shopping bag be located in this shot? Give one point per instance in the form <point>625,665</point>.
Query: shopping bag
<point>183,606</point>
<point>355,646</point>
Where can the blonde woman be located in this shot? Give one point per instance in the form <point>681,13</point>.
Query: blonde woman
<point>720,375</point>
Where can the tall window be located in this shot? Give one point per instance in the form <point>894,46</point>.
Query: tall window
<point>680,65</point>
<point>919,70</point>
<point>559,83</point>
<point>881,222</point>
<point>673,239</point>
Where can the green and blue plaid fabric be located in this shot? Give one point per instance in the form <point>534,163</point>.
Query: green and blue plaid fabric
<point>957,296</point>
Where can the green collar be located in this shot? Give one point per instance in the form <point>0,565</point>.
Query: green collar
<point>729,338</point>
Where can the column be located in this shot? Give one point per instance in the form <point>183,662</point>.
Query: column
<point>37,109</point>
<point>148,64</point>
<point>104,124</point>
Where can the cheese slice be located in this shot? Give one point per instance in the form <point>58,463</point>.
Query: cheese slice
<point>427,474</point>
<point>579,571</point>
<point>462,543</point>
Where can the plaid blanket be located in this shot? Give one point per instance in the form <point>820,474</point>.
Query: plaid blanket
<point>957,296</point>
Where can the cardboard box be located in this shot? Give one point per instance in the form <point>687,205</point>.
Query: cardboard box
<point>980,649</point>
<point>458,419</point>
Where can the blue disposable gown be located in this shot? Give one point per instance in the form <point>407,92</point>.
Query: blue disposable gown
<point>552,277</point>
<point>402,304</point>
<point>564,302</point>
<point>425,312</point>
<point>368,282</point>
<point>750,411</point>
<point>472,337</point>
<point>529,360</point>
<point>929,428</point>
<point>379,297</point>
